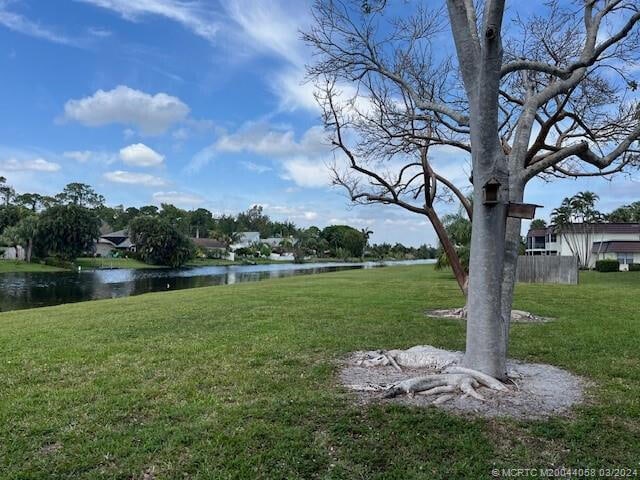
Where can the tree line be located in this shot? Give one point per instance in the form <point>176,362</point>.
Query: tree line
<point>65,227</point>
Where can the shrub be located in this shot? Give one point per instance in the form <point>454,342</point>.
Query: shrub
<point>607,265</point>
<point>634,267</point>
<point>59,262</point>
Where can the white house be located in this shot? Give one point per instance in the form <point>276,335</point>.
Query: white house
<point>591,241</point>
<point>277,241</point>
<point>246,239</point>
<point>12,253</point>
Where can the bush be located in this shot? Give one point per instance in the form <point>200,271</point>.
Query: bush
<point>634,267</point>
<point>59,262</point>
<point>607,265</point>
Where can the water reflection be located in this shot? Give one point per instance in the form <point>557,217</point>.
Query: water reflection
<point>29,290</point>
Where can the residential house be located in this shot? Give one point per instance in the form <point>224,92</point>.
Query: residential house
<point>110,243</point>
<point>214,248</point>
<point>245,240</point>
<point>593,241</point>
<point>278,241</point>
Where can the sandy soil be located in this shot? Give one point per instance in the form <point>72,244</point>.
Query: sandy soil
<point>534,391</point>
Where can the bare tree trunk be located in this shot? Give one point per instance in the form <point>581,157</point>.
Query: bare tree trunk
<point>454,260</point>
<point>480,68</point>
<point>486,345</point>
<point>29,249</point>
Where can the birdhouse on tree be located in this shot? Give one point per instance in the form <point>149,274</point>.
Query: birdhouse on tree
<point>490,192</point>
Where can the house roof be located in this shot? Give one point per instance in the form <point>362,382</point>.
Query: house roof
<point>120,239</point>
<point>208,243</point>
<point>616,246</point>
<point>538,232</point>
<point>117,234</point>
<point>628,228</point>
<point>608,227</point>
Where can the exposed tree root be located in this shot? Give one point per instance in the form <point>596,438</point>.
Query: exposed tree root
<point>517,316</point>
<point>445,379</point>
<point>425,375</point>
<point>421,356</point>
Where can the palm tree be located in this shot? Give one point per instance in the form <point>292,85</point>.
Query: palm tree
<point>366,234</point>
<point>27,230</point>
<point>11,237</point>
<point>577,216</point>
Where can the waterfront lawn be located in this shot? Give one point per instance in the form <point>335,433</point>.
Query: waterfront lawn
<point>239,381</point>
<point>106,262</point>
<point>16,266</point>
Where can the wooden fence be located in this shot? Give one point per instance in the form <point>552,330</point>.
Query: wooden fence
<point>548,269</point>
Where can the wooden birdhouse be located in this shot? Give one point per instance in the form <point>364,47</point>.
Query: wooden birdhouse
<point>490,192</point>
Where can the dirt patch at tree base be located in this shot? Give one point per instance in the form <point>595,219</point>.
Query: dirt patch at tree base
<point>517,316</point>
<point>535,391</point>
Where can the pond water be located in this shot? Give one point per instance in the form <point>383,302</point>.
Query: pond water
<point>30,290</point>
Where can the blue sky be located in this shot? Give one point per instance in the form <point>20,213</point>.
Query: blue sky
<point>192,103</point>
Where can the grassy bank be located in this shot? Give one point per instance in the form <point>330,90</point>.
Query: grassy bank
<point>105,262</point>
<point>239,382</point>
<point>15,266</point>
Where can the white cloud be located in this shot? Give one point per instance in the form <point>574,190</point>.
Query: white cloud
<point>256,167</point>
<point>263,139</point>
<point>152,114</point>
<point>272,26</point>
<point>84,156</point>
<point>307,173</point>
<point>133,178</point>
<point>79,156</point>
<point>190,14</point>
<point>29,165</point>
<point>140,155</point>
<point>294,213</point>
<point>179,199</point>
<point>303,161</point>
<point>99,32</point>
<point>21,24</point>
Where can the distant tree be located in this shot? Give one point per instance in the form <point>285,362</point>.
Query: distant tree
<point>225,224</point>
<point>366,234</point>
<point>342,238</point>
<point>254,220</point>
<point>80,194</point>
<point>265,250</point>
<point>538,224</point>
<point>6,191</point>
<point>625,214</point>
<point>116,217</point>
<point>67,231</point>
<point>200,221</point>
<point>48,201</point>
<point>576,220</point>
<point>175,216</point>
<point>30,200</point>
<point>160,243</point>
<point>10,215</point>
<point>458,228</point>
<point>27,230</point>
<point>11,238</point>
<point>148,210</point>
<point>426,252</point>
<point>283,229</point>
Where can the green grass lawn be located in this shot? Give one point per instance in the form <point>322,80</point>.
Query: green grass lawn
<point>105,262</point>
<point>239,382</point>
<point>12,266</point>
